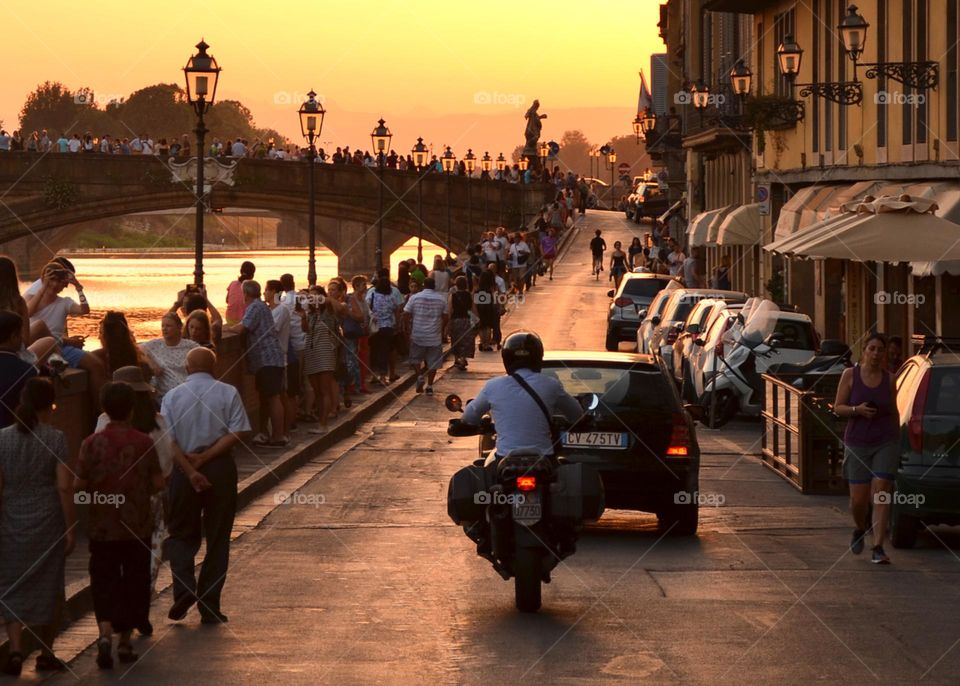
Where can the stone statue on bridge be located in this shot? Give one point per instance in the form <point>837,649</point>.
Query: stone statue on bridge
<point>532,133</point>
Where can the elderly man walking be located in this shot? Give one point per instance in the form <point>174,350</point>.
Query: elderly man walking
<point>427,313</point>
<point>205,418</point>
<point>266,360</point>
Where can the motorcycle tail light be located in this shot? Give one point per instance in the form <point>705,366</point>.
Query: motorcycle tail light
<point>526,483</point>
<point>679,445</point>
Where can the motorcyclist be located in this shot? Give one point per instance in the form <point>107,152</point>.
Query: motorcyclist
<point>520,421</point>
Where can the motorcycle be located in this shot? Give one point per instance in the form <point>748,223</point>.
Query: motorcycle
<point>737,385</point>
<point>524,511</point>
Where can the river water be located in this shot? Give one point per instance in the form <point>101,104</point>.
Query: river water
<point>144,287</point>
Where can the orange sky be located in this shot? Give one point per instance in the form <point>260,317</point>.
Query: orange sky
<point>453,72</point>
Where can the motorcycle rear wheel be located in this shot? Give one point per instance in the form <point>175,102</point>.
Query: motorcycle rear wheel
<point>527,578</point>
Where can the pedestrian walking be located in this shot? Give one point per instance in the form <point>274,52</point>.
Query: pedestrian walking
<point>37,524</point>
<point>548,246</point>
<point>597,247</point>
<point>355,331</point>
<point>635,254</point>
<point>117,473</point>
<point>692,270</point>
<point>722,274</point>
<point>206,418</point>
<point>461,329</point>
<point>618,264</point>
<point>867,396</point>
<point>427,313</point>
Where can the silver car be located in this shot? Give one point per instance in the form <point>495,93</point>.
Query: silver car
<point>636,292</point>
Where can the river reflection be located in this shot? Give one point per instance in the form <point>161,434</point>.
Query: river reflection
<point>145,287</point>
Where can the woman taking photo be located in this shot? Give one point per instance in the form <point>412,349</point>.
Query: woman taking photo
<point>867,397</point>
<point>37,524</point>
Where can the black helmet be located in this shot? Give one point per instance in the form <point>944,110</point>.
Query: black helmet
<point>522,350</point>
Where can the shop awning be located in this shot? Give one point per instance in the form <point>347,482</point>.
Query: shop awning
<point>674,208</point>
<point>789,219</point>
<point>714,229</point>
<point>742,226</point>
<point>788,245</point>
<point>697,231</point>
<point>889,229</point>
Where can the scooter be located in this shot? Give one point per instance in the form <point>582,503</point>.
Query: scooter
<point>737,386</point>
<point>524,511</point>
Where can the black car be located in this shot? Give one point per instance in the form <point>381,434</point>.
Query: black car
<point>927,488</point>
<point>639,436</point>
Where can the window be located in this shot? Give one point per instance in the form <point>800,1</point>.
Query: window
<point>643,288</point>
<point>842,59</point>
<point>907,108</point>
<point>881,81</point>
<point>829,41</point>
<point>951,80</point>
<point>944,397</point>
<point>795,335</point>
<point>922,123</point>
<point>815,53</point>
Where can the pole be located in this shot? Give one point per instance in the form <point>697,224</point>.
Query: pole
<point>469,208</point>
<point>380,218</point>
<point>500,203</point>
<point>420,216</point>
<point>449,217</point>
<point>312,219</point>
<point>486,205</point>
<point>198,238</point>
<point>612,192</point>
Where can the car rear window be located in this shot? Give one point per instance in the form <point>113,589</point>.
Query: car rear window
<point>795,335</point>
<point>646,288</point>
<point>645,389</point>
<point>944,394</point>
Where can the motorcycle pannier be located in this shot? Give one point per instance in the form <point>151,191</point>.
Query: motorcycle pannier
<point>577,493</point>
<point>464,502</point>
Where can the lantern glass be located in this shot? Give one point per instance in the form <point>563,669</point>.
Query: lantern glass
<point>501,162</point>
<point>380,138</point>
<point>311,116</point>
<point>789,56</point>
<point>202,74</point>
<point>741,78</point>
<point>448,160</point>
<point>853,31</point>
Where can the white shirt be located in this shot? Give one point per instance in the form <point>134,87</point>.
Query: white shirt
<point>491,250</point>
<point>172,359</point>
<point>519,420</point>
<point>298,339</point>
<point>427,308</point>
<point>162,441</point>
<point>501,284</point>
<point>202,410</point>
<point>517,250</point>
<point>281,323</point>
<point>74,144</point>
<point>55,315</point>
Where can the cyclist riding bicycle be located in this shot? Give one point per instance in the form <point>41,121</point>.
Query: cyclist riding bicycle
<point>597,247</point>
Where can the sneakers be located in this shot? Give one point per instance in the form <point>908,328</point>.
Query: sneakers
<point>421,382</point>
<point>856,541</point>
<point>879,557</point>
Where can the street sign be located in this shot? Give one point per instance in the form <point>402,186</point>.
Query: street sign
<point>623,168</point>
<point>763,198</point>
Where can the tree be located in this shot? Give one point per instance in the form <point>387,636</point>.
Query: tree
<point>159,111</point>
<point>51,106</point>
<point>575,152</point>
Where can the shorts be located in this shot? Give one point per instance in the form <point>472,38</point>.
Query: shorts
<point>431,354</point>
<point>293,376</point>
<point>863,464</point>
<point>72,355</point>
<point>269,380</point>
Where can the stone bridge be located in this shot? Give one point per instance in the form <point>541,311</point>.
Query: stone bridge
<point>54,192</point>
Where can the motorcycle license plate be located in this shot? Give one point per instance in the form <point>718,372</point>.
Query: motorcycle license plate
<point>610,440</point>
<point>529,509</point>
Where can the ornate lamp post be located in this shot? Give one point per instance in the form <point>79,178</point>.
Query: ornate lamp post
<point>524,164</point>
<point>470,164</point>
<point>448,161</point>
<point>420,154</point>
<point>611,165</point>
<point>486,164</point>
<point>380,139</point>
<point>544,151</point>
<point>202,74</point>
<point>311,123</point>
<point>648,122</point>
<point>638,126</point>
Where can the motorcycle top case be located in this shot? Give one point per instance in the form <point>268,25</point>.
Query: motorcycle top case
<point>463,505</point>
<point>577,494</point>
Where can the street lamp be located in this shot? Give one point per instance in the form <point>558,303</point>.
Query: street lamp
<point>789,111</point>
<point>741,79</point>
<point>611,165</point>
<point>853,31</point>
<point>789,56</point>
<point>469,164</point>
<point>311,123</point>
<point>420,155</point>
<point>486,163</point>
<point>523,163</point>
<point>448,161</point>
<point>501,166</point>
<point>544,152</point>
<point>501,162</point>
<point>638,127</point>
<point>648,122</point>
<point>202,74</point>
<point>380,139</point>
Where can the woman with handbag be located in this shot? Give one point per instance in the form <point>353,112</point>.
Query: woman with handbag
<point>462,326</point>
<point>320,356</point>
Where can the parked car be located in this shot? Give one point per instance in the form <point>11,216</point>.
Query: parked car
<point>694,325</point>
<point>636,292</point>
<point>641,439</point>
<point>647,200</point>
<point>927,487</point>
<point>650,318</point>
<point>675,313</point>
<point>700,363</point>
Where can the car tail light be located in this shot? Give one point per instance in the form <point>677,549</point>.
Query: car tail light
<point>915,425</point>
<point>526,483</point>
<point>679,438</point>
<point>672,334</point>
<point>623,302</point>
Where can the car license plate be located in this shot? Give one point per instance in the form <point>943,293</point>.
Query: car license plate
<point>529,509</point>
<point>595,439</point>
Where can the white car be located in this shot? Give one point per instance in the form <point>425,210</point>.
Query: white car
<point>700,360</point>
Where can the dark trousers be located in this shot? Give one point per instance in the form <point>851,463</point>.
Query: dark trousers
<point>120,582</point>
<point>497,333</point>
<point>381,343</point>
<point>211,513</point>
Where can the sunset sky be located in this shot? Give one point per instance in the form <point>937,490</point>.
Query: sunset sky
<point>453,72</point>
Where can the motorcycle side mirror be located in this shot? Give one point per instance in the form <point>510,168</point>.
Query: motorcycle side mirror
<point>697,412</point>
<point>610,293</point>
<point>453,403</point>
<point>699,341</point>
<point>589,401</point>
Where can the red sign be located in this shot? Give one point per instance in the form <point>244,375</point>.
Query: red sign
<point>624,168</point>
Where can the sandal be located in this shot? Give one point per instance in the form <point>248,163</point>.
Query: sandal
<point>50,663</point>
<point>14,664</point>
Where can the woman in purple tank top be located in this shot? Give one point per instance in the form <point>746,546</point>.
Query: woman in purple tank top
<point>867,395</point>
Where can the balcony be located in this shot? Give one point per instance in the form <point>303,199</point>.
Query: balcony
<point>721,127</point>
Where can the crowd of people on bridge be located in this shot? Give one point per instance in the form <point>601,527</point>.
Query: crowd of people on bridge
<point>157,471</point>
